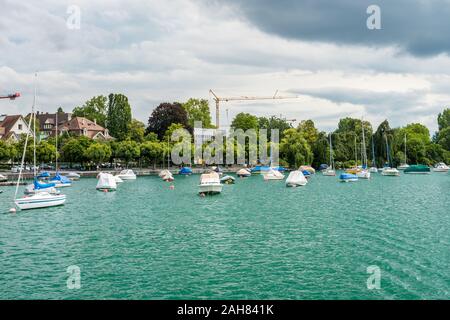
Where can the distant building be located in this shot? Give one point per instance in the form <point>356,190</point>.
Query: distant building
<point>11,127</point>
<point>47,122</point>
<point>80,126</point>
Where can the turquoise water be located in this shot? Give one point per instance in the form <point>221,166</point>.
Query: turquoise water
<point>256,240</point>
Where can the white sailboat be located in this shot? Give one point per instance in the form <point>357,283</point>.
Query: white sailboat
<point>38,199</point>
<point>404,165</point>
<point>389,171</point>
<point>330,172</point>
<point>273,175</point>
<point>373,168</point>
<point>364,173</point>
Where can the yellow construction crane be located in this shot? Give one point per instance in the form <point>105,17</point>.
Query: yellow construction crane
<point>218,99</point>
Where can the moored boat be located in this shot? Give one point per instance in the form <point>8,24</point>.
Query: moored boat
<point>243,173</point>
<point>73,176</point>
<point>295,179</point>
<point>61,181</point>
<point>185,171</point>
<point>392,172</point>
<point>441,167</point>
<point>418,169</point>
<point>210,183</point>
<point>348,177</point>
<point>40,200</point>
<point>228,180</point>
<point>273,175</point>
<point>310,169</point>
<point>106,182</point>
<point>127,175</point>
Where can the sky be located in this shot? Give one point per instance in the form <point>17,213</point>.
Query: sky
<point>320,52</point>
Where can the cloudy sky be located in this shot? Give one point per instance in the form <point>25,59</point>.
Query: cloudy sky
<point>157,50</point>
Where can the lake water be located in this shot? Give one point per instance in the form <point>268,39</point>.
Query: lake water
<point>256,240</point>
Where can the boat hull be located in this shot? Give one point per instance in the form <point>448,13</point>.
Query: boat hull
<point>37,202</point>
<point>210,189</point>
<point>127,177</point>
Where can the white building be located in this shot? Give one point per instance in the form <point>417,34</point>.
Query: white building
<point>12,127</point>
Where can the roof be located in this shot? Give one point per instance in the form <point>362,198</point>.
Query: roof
<point>9,122</point>
<point>50,118</point>
<point>80,123</point>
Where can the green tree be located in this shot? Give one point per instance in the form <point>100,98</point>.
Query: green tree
<point>444,138</point>
<point>128,150</point>
<point>45,152</point>
<point>94,109</point>
<point>444,119</point>
<point>119,116</point>
<point>294,149</point>
<point>74,150</point>
<point>5,153</point>
<point>137,130</point>
<point>152,152</point>
<point>164,115</point>
<point>198,110</point>
<point>272,123</point>
<point>245,121</point>
<point>98,152</point>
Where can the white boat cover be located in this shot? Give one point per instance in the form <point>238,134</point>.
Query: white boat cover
<point>106,181</point>
<point>296,178</point>
<point>243,172</point>
<point>210,178</point>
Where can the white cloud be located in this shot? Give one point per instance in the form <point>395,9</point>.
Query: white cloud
<point>158,51</point>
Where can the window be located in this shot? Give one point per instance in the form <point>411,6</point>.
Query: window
<point>20,127</point>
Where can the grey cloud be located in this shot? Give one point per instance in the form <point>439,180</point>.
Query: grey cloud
<point>419,27</point>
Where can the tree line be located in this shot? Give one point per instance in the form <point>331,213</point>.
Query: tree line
<point>135,143</point>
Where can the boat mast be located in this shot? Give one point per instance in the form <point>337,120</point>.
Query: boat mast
<point>364,145</point>
<point>406,159</point>
<point>331,154</point>
<point>356,152</point>
<point>33,116</point>
<point>56,143</point>
<point>387,151</point>
<point>373,153</point>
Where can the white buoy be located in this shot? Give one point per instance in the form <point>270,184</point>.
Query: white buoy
<point>12,210</point>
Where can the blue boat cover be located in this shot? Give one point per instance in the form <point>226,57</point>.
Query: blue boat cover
<point>61,179</point>
<point>39,186</point>
<point>44,175</point>
<point>306,173</point>
<point>280,169</point>
<point>323,167</point>
<point>345,176</point>
<point>260,169</point>
<point>185,171</point>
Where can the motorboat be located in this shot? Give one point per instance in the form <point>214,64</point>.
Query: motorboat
<point>243,173</point>
<point>38,187</point>
<point>210,183</point>
<point>228,180</point>
<point>185,171</point>
<point>127,175</point>
<point>329,172</point>
<point>295,179</point>
<point>106,182</point>
<point>418,169</point>
<point>363,174</point>
<point>373,170</point>
<point>40,200</point>
<point>166,175</point>
<point>273,175</point>
<point>392,172</point>
<point>403,166</point>
<point>118,179</point>
<point>348,177</point>
<point>73,176</point>
<point>441,167</point>
<point>310,169</point>
<point>61,181</point>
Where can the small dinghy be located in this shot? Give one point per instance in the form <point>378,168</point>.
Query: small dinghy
<point>273,175</point>
<point>243,173</point>
<point>106,182</point>
<point>348,177</point>
<point>186,171</point>
<point>210,183</point>
<point>73,176</point>
<point>228,180</point>
<point>295,179</point>
<point>127,175</point>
